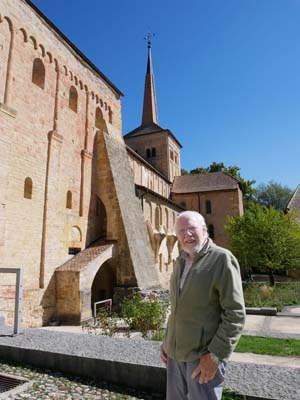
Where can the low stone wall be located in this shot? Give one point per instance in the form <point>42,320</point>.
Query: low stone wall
<point>135,363</point>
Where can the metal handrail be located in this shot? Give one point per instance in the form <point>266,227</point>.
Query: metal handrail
<point>101,302</point>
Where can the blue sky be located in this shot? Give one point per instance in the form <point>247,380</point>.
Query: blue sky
<point>227,74</point>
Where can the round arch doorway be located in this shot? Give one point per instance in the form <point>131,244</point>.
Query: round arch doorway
<point>104,283</point>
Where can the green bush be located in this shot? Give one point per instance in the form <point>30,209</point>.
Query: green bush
<point>143,315</point>
<point>283,294</point>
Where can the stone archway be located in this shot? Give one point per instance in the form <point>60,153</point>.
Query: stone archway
<point>104,282</point>
<point>75,280</point>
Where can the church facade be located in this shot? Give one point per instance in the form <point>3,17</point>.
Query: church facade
<point>84,212</point>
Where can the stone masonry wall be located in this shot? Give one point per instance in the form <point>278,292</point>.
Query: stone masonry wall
<point>223,204</point>
<point>43,139</point>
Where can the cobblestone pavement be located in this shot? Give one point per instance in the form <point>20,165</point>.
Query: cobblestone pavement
<point>54,385</point>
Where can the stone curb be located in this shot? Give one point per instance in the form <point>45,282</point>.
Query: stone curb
<point>269,311</point>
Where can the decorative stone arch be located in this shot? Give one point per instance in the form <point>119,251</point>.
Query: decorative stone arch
<point>65,70</point>
<point>71,75</point>
<point>24,34</point>
<point>74,282</point>
<point>50,58</point>
<point>75,234</point>
<point>42,48</point>
<point>33,41</point>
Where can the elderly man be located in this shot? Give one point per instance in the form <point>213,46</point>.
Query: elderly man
<point>207,313</point>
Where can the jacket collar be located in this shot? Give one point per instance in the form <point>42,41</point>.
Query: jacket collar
<point>209,244</point>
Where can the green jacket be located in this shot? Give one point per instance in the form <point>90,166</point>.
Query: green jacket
<point>209,313</point>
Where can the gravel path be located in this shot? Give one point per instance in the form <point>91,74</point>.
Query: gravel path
<point>54,385</point>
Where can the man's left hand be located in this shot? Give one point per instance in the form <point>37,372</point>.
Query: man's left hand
<point>207,369</point>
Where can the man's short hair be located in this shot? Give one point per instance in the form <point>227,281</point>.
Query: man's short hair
<point>192,214</point>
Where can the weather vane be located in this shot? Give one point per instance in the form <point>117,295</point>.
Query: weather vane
<point>148,38</point>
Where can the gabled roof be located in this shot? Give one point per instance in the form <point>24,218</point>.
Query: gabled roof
<point>195,183</point>
<point>294,202</point>
<point>149,130</point>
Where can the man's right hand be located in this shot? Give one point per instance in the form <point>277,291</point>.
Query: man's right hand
<point>163,355</point>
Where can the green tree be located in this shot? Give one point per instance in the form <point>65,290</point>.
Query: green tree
<point>273,195</point>
<point>233,170</point>
<point>184,171</point>
<point>266,239</point>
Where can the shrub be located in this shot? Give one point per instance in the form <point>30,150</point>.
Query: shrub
<point>281,295</point>
<point>144,315</point>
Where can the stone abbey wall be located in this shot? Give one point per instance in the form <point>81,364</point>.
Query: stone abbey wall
<point>53,107</point>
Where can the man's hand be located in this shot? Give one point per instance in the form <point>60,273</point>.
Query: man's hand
<point>163,355</point>
<point>207,369</point>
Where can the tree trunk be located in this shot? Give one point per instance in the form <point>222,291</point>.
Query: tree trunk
<point>271,277</point>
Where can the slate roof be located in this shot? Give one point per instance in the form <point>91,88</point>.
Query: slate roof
<point>209,182</point>
<point>294,203</point>
<point>149,129</point>
<point>84,257</point>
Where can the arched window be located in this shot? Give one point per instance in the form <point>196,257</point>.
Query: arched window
<point>208,207</point>
<point>73,99</point>
<point>148,153</point>
<point>153,154</point>
<point>211,231</point>
<point>69,200</point>
<point>99,120</point>
<point>38,73</point>
<point>28,188</point>
<point>110,115</point>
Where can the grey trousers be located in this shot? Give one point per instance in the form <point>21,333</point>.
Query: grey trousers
<point>180,385</point>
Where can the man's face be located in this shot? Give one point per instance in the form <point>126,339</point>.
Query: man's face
<point>190,234</point>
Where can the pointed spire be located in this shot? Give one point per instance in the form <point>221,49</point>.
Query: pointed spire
<point>149,108</point>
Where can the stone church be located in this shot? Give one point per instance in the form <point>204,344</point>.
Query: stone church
<point>85,212</point>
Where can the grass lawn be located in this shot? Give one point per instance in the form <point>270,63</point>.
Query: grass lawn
<point>280,295</point>
<point>268,346</point>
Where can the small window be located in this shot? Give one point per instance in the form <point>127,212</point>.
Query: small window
<point>211,231</point>
<point>176,158</point>
<point>110,115</point>
<point>38,73</point>
<point>69,200</point>
<point>153,152</point>
<point>148,153</point>
<point>73,99</point>
<point>183,204</point>
<point>171,155</point>
<point>28,188</point>
<point>74,250</point>
<point>208,206</point>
